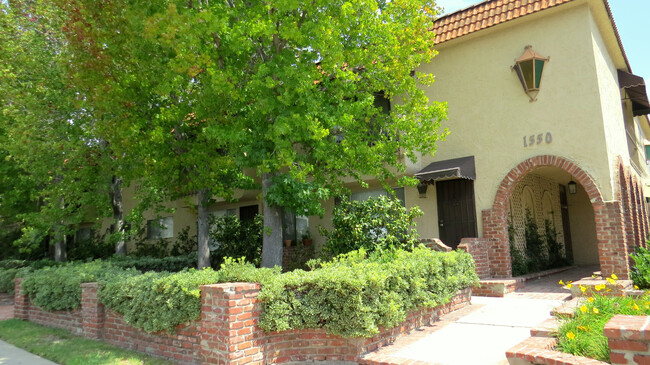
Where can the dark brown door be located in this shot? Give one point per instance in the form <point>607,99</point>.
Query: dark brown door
<point>248,213</point>
<point>566,227</point>
<point>456,210</point>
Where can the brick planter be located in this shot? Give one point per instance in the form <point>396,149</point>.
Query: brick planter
<point>629,343</point>
<point>227,331</point>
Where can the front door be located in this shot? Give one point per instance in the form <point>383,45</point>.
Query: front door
<point>456,210</point>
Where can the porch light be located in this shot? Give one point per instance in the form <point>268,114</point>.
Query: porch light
<point>422,189</point>
<point>572,187</point>
<point>529,68</point>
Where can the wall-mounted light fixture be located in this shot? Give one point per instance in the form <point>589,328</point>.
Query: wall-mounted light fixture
<point>572,187</point>
<point>529,68</point>
<point>422,189</point>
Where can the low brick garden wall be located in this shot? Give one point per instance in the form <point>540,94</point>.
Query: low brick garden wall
<point>227,331</point>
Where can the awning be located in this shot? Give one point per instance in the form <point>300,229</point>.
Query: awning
<point>635,88</point>
<point>462,168</point>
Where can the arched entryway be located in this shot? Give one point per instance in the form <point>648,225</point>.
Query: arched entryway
<point>607,218</point>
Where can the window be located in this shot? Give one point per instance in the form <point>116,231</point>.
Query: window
<point>294,227</point>
<point>365,194</point>
<point>160,228</point>
<point>213,243</point>
<point>83,235</point>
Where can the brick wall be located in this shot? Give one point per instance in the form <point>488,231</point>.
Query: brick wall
<point>227,331</point>
<point>435,244</point>
<point>295,257</point>
<point>628,338</point>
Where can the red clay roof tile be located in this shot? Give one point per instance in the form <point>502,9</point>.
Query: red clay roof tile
<point>485,15</point>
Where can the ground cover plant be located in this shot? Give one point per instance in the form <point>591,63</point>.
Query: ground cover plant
<point>67,349</point>
<point>583,335</point>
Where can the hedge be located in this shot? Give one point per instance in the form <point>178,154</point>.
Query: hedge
<point>58,287</point>
<point>351,296</point>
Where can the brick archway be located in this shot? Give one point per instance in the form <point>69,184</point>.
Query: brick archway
<point>610,230</point>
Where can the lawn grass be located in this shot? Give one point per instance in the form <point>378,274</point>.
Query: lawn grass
<point>65,348</point>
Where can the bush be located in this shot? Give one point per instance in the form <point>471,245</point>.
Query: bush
<point>58,288</point>
<point>161,301</point>
<point>237,239</point>
<point>11,269</point>
<point>375,224</point>
<point>144,264</point>
<point>350,296</point>
<point>353,296</point>
<point>640,272</point>
<point>96,247</point>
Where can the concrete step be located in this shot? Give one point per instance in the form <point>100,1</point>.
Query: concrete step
<point>567,309</point>
<point>548,328</point>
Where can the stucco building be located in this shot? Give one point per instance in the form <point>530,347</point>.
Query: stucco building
<point>571,152</point>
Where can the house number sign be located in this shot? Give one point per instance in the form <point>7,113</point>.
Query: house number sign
<point>536,139</point>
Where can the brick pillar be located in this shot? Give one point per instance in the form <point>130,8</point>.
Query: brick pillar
<point>628,337</point>
<point>612,240</point>
<point>92,311</point>
<point>478,248</point>
<point>495,230</point>
<point>21,301</point>
<point>229,316</point>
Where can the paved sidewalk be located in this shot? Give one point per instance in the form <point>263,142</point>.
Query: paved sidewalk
<point>481,333</point>
<point>12,355</point>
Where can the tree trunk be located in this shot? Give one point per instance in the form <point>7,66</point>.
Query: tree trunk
<point>203,229</point>
<point>115,194</point>
<point>272,236</point>
<point>60,254</point>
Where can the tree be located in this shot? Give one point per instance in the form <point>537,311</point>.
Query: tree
<point>47,135</point>
<point>199,91</point>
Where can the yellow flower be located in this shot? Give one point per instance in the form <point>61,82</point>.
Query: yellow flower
<point>636,287</point>
<point>614,277</point>
<point>600,287</point>
<point>596,310</point>
<point>570,335</point>
<point>583,288</point>
<point>583,309</point>
<point>561,282</point>
<point>569,285</point>
<point>635,307</point>
<point>611,281</point>
<point>590,299</point>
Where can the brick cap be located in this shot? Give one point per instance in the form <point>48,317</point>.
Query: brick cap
<point>627,327</point>
<point>234,287</point>
<point>90,285</point>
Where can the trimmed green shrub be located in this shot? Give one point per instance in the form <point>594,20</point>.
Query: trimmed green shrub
<point>58,288</point>
<point>161,301</point>
<point>350,296</point>
<point>171,263</point>
<point>13,264</point>
<point>237,238</point>
<point>375,224</point>
<point>11,269</point>
<point>353,296</point>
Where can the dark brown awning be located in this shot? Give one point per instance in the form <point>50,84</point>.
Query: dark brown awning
<point>635,88</point>
<point>462,168</point>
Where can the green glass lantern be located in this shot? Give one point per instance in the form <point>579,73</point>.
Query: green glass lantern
<point>529,68</point>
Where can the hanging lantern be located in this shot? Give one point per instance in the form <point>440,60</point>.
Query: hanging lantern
<point>529,68</point>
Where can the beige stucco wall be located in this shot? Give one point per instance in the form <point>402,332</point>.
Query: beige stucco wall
<point>489,114</point>
<point>583,228</point>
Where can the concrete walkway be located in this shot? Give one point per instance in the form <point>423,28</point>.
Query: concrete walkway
<point>12,355</point>
<point>481,333</point>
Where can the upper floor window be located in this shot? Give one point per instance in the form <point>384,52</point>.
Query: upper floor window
<point>160,228</point>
